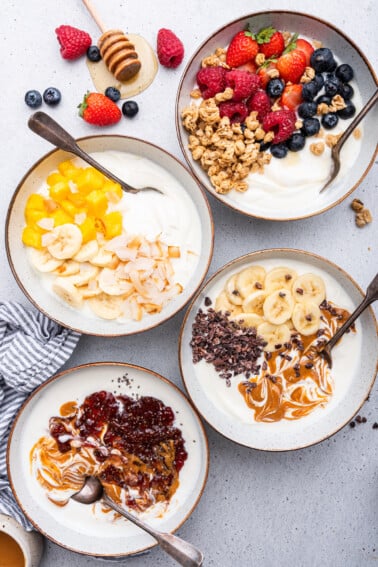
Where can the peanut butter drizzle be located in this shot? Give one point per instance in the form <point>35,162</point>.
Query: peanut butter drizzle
<point>294,379</point>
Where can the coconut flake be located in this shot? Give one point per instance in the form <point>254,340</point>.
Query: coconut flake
<point>46,223</point>
<point>80,218</point>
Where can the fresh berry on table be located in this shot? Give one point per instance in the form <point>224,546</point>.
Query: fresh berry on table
<point>94,54</point>
<point>99,110</point>
<point>73,42</point>
<point>130,108</point>
<point>52,96</point>
<point>33,98</point>
<point>113,94</point>
<point>170,49</point>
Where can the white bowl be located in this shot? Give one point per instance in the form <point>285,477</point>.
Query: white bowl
<point>30,280</point>
<point>276,207</point>
<point>354,363</point>
<point>74,526</point>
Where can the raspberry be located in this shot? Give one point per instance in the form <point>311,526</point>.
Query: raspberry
<point>260,103</point>
<point>236,111</point>
<point>243,83</point>
<point>282,122</point>
<point>73,42</point>
<point>211,80</point>
<point>170,49</point>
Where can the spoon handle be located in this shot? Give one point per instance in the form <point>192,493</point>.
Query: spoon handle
<point>371,295</point>
<point>182,551</point>
<point>46,127</point>
<point>355,122</point>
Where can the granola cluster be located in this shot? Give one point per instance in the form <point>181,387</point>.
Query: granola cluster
<point>228,152</point>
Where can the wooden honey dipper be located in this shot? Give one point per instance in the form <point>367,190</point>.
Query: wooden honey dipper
<point>117,51</point>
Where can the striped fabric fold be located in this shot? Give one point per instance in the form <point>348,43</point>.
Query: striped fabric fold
<point>32,348</point>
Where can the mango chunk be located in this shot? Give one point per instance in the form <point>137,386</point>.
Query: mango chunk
<point>31,237</point>
<point>97,203</point>
<point>89,180</point>
<point>88,229</point>
<point>113,224</point>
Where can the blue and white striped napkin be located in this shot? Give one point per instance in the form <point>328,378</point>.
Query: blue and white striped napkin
<point>32,349</point>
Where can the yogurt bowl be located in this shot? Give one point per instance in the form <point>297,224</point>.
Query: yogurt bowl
<point>69,231</point>
<point>273,188</point>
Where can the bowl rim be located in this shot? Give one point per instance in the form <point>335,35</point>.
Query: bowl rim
<point>253,256</point>
<point>56,318</point>
<point>79,367</point>
<point>183,148</point>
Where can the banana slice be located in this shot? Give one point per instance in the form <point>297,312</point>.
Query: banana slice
<point>87,251</point>
<point>279,278</point>
<point>106,306</point>
<point>65,241</point>
<point>248,320</point>
<point>233,294</point>
<point>65,288</point>
<point>254,303</point>
<point>110,282</point>
<point>306,318</point>
<point>104,259</point>
<point>86,274</point>
<point>247,279</point>
<point>274,335</point>
<point>223,304</point>
<point>309,287</point>
<point>68,268</point>
<point>278,306</point>
<point>43,261</point>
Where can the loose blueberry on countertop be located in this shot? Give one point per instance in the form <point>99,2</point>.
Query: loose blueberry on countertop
<point>130,108</point>
<point>311,126</point>
<point>331,86</point>
<point>296,142</point>
<point>348,111</point>
<point>329,120</point>
<point>93,53</point>
<point>346,91</point>
<point>113,94</point>
<point>322,60</point>
<point>279,150</point>
<point>33,99</point>
<point>275,87</point>
<point>307,109</point>
<point>344,72</point>
<point>52,96</point>
<point>309,90</point>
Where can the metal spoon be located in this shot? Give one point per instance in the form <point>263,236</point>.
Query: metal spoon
<point>46,127</point>
<point>183,552</point>
<point>371,295</point>
<point>335,154</point>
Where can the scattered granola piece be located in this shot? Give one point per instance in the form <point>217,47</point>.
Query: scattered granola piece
<point>317,148</point>
<point>195,93</point>
<point>363,217</point>
<point>357,205</point>
<point>357,134</point>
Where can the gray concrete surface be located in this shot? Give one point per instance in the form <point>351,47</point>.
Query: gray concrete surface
<point>314,507</point>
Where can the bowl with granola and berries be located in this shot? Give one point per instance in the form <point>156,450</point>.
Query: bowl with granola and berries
<point>259,107</point>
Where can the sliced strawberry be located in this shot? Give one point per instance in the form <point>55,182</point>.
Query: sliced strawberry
<point>271,42</point>
<point>306,48</point>
<point>263,74</point>
<point>249,66</point>
<point>292,65</point>
<point>292,96</point>
<point>243,48</point>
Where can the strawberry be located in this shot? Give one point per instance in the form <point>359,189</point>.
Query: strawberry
<point>291,65</point>
<point>263,73</point>
<point>170,49</point>
<point>292,96</point>
<point>271,42</point>
<point>73,42</point>
<point>306,48</point>
<point>98,109</point>
<point>242,48</point>
<point>250,66</point>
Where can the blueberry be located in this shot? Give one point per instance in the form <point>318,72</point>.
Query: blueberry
<point>348,111</point>
<point>296,142</point>
<point>311,126</point>
<point>331,86</point>
<point>307,109</point>
<point>329,120</point>
<point>279,150</point>
<point>344,72</point>
<point>275,87</point>
<point>130,108</point>
<point>93,53</point>
<point>52,96</point>
<point>33,99</point>
<point>319,80</point>
<point>113,94</point>
<point>322,60</point>
<point>309,90</point>
<point>323,99</point>
<point>346,91</point>
<point>264,146</point>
